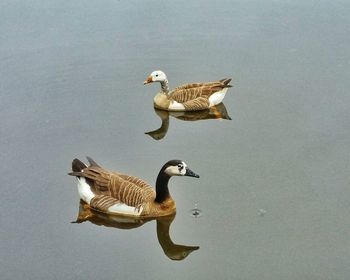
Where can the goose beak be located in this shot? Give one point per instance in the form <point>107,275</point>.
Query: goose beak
<point>190,173</point>
<point>149,80</point>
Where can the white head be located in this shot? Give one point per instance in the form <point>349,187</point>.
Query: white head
<point>178,168</point>
<point>156,76</point>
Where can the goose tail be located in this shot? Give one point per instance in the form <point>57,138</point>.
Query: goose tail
<point>77,167</point>
<point>92,162</point>
<point>225,82</point>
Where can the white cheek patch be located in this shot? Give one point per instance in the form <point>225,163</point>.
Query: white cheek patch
<point>172,170</point>
<point>175,170</point>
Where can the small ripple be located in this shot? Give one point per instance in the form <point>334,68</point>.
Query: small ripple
<point>196,212</point>
<point>262,212</point>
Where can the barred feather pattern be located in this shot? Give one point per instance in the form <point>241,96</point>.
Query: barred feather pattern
<point>111,188</point>
<point>191,96</point>
<point>187,94</point>
<point>120,188</point>
<point>102,202</point>
<point>199,103</point>
<point>194,85</point>
<point>131,191</point>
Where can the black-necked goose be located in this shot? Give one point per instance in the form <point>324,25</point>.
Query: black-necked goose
<point>115,193</point>
<point>188,97</point>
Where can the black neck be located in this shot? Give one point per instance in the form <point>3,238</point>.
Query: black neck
<point>162,191</point>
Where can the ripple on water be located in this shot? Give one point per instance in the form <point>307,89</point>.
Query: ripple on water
<point>196,212</point>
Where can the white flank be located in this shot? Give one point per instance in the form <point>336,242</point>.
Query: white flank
<point>121,208</point>
<point>84,190</point>
<point>217,97</point>
<point>175,106</point>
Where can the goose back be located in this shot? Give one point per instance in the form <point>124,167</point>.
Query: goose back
<point>197,96</point>
<point>186,94</point>
<point>111,187</point>
<point>207,84</point>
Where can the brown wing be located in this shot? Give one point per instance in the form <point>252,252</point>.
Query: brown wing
<point>123,188</point>
<point>103,202</point>
<point>184,95</point>
<point>199,103</point>
<point>193,85</point>
<point>207,84</point>
<point>97,178</point>
<point>139,182</point>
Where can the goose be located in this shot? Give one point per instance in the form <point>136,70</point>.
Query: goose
<point>188,97</point>
<point>120,194</point>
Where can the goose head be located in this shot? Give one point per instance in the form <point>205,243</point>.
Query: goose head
<point>178,168</point>
<point>156,76</point>
<point>171,168</point>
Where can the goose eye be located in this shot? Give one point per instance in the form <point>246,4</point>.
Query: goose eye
<point>156,75</point>
<point>180,166</point>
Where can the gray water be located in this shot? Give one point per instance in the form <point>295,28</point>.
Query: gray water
<point>274,190</point>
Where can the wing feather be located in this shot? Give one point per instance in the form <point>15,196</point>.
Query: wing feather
<point>207,84</point>
<point>125,189</point>
<point>184,95</point>
<point>199,103</point>
<point>103,202</point>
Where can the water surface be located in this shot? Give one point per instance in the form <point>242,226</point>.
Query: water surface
<point>274,187</point>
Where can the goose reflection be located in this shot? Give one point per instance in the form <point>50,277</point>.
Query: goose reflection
<point>171,250</point>
<point>216,112</point>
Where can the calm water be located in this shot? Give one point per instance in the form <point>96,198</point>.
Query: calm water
<point>274,191</point>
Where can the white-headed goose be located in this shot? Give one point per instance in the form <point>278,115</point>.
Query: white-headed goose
<point>188,97</point>
<point>115,193</point>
